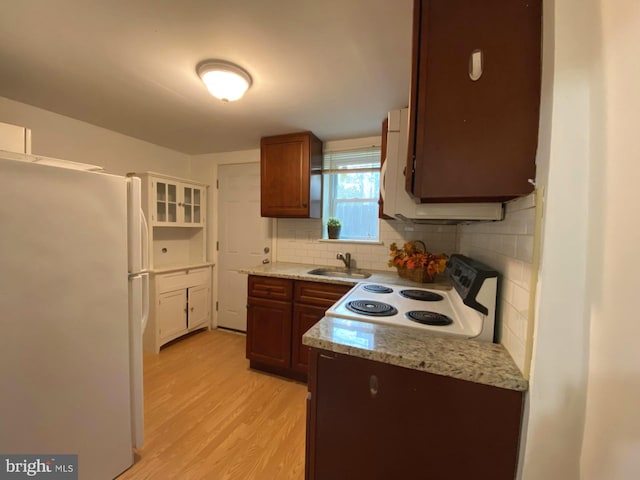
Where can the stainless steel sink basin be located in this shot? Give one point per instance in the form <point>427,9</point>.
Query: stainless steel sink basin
<point>339,272</point>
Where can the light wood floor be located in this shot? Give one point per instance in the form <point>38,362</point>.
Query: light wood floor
<point>207,416</point>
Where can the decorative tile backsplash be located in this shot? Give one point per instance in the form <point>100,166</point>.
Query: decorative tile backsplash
<point>506,246</point>
<point>298,241</point>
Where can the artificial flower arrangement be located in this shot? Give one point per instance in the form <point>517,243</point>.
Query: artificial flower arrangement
<point>414,262</point>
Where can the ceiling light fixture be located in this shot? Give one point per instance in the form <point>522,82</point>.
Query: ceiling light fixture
<point>224,80</point>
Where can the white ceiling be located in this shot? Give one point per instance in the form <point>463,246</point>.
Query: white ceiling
<point>334,67</point>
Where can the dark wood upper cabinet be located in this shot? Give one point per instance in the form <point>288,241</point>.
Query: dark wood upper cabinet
<point>474,139</point>
<point>291,176</point>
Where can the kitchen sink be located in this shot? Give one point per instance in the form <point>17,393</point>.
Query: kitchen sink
<point>339,272</point>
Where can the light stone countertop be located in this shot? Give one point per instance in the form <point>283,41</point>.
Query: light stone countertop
<point>299,271</point>
<point>480,362</point>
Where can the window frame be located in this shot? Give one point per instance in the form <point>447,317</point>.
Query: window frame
<point>368,148</point>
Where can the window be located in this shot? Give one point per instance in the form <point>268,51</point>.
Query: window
<point>351,191</point>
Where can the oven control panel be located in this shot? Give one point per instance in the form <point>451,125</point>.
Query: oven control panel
<point>468,276</point>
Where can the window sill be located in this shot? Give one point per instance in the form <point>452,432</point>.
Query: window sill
<point>346,240</point>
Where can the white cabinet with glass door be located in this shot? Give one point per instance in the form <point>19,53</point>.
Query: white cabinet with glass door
<point>180,290</point>
<point>176,203</point>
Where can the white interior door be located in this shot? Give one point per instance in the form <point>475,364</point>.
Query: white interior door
<point>244,236</point>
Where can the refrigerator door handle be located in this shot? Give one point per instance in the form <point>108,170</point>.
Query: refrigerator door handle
<point>135,227</point>
<point>144,227</point>
<point>145,300</point>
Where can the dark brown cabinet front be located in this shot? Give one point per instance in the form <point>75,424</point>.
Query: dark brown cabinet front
<point>377,421</point>
<point>475,99</point>
<point>304,317</point>
<point>291,176</point>
<point>269,322</point>
<point>279,312</point>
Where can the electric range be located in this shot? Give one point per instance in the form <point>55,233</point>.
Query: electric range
<point>466,311</point>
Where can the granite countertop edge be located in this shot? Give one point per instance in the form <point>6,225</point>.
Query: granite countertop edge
<point>469,360</point>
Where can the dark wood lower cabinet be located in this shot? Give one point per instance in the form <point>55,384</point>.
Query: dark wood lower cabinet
<point>304,317</point>
<point>374,421</point>
<point>269,322</point>
<point>279,312</point>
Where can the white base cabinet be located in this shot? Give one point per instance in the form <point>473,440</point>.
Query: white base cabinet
<point>181,304</point>
<point>171,312</point>
<point>198,302</point>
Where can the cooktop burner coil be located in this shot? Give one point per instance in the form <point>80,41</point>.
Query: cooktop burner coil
<point>377,288</point>
<point>429,318</point>
<point>371,308</point>
<point>422,295</point>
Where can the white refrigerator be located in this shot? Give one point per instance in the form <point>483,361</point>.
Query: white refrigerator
<point>73,306</point>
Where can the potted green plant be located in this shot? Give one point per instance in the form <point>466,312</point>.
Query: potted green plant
<point>333,228</point>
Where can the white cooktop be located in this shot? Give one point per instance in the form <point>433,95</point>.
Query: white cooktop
<point>467,322</point>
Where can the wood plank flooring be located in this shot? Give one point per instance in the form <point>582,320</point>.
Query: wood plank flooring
<point>207,416</point>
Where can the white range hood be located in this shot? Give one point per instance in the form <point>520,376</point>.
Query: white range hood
<point>399,204</point>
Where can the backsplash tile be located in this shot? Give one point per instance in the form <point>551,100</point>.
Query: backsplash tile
<point>507,246</point>
<point>298,242</point>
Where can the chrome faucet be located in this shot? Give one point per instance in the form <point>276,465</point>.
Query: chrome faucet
<point>346,258</point>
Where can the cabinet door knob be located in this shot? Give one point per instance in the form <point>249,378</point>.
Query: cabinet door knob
<point>373,386</point>
<point>304,204</point>
<point>191,309</point>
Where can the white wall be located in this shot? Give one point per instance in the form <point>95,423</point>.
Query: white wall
<point>570,141</point>
<point>611,447</point>
<point>58,136</point>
